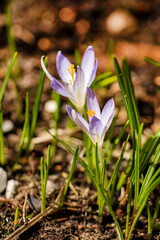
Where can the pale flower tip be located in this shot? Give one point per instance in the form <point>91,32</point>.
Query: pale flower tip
<point>45,69</point>
<point>90,47</point>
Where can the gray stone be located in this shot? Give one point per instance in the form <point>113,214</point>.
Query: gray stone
<point>3,179</point>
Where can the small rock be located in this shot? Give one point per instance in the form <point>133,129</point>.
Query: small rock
<point>157,81</point>
<point>34,203</point>
<point>50,188</point>
<point>50,106</point>
<point>3,177</point>
<point>11,187</point>
<point>7,126</point>
<point>121,22</point>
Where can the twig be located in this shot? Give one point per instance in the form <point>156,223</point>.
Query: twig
<point>53,208</point>
<point>24,209</point>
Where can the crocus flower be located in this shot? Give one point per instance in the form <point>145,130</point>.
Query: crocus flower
<point>74,84</point>
<point>99,122</point>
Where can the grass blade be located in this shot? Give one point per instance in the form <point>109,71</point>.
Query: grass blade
<point>116,141</point>
<point>36,105</point>
<point>151,169</point>
<point>131,95</point>
<point>116,169</point>
<point>97,183</point>
<point>2,157</point>
<point>24,133</point>
<point>157,64</point>
<point>2,89</point>
<point>137,165</point>
<point>70,175</point>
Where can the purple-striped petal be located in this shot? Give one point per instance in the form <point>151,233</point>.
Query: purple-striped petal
<point>63,64</point>
<point>93,75</point>
<point>108,110</point>
<point>87,63</point>
<point>45,69</point>
<point>79,120</point>
<point>108,123</point>
<point>92,103</point>
<point>59,88</point>
<point>79,89</point>
<point>96,129</point>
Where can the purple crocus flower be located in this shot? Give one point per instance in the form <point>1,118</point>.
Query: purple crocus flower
<point>74,84</point>
<point>99,122</point>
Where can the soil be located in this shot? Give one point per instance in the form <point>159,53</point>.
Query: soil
<point>43,28</point>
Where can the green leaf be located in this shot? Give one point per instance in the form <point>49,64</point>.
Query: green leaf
<point>157,64</point>
<point>116,168</point>
<point>70,174</point>
<point>97,183</point>
<point>151,170</point>
<point>137,165</point>
<point>24,133</point>
<point>36,105</point>
<point>2,89</point>
<point>2,157</point>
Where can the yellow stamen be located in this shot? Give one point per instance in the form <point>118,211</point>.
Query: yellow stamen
<point>71,71</point>
<point>91,113</point>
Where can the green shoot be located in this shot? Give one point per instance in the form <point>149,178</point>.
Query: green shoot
<point>10,37</point>
<point>56,116</point>
<point>137,165</point>
<point>16,217</point>
<point>157,64</point>
<point>2,156</point>
<point>36,106</point>
<point>103,80</point>
<point>2,89</point>
<point>70,175</point>
<point>99,186</point>
<point>25,133</point>
<point>116,169</point>
<point>149,218</point>
<point>44,176</point>
<point>157,208</point>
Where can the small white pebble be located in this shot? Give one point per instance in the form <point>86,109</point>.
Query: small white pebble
<point>50,106</point>
<point>7,126</point>
<point>50,188</point>
<point>3,179</point>
<point>120,21</point>
<point>11,187</point>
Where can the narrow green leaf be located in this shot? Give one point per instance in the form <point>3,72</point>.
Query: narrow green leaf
<point>37,100</point>
<point>116,141</point>
<point>97,162</point>
<point>116,169</point>
<point>2,157</point>
<point>157,208</point>
<point>128,210</point>
<point>151,169</point>
<point>2,89</point>
<point>70,174</point>
<point>137,165</point>
<point>97,183</point>
<point>16,216</point>
<point>157,64</point>
<point>131,95</point>
<point>149,218</point>
<point>103,80</point>
<point>24,133</point>
<point>36,105</point>
<point>125,96</point>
